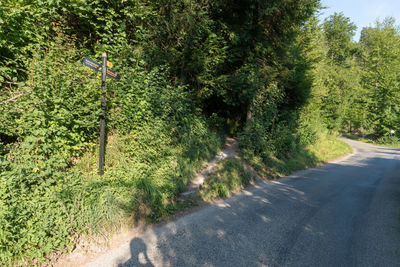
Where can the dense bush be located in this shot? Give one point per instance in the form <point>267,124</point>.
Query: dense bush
<point>181,62</point>
<point>157,139</point>
<point>263,70</point>
<point>389,140</point>
<point>54,121</point>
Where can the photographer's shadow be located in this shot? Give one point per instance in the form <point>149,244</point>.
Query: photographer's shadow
<point>139,255</point>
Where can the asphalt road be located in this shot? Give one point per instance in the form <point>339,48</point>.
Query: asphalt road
<point>345,213</point>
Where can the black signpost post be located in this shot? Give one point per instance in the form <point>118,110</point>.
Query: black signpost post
<point>103,114</point>
<point>104,73</point>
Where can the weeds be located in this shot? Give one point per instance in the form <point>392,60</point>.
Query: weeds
<point>231,174</point>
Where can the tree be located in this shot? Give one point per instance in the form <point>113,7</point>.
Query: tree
<point>381,76</point>
<point>338,31</point>
<point>336,75</point>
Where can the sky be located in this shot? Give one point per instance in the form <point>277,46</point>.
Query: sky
<point>363,13</point>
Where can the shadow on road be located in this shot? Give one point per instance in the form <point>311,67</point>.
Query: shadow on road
<point>139,254</point>
<point>274,223</point>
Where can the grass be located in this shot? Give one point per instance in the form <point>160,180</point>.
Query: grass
<point>371,141</point>
<point>233,174</point>
<point>145,183</point>
<point>329,148</point>
<point>144,176</point>
<point>326,148</point>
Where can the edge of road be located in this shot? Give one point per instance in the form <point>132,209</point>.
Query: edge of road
<point>113,256</point>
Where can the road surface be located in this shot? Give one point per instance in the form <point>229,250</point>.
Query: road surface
<point>345,213</point>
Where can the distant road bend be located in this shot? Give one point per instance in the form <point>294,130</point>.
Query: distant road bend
<point>345,213</point>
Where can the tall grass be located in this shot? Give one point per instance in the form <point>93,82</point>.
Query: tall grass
<point>232,174</point>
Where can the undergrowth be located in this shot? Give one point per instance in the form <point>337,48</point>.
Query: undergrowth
<point>327,147</point>
<point>233,174</point>
<point>50,193</point>
<point>387,141</point>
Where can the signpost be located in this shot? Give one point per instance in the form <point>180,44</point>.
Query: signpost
<point>104,73</point>
<point>96,66</point>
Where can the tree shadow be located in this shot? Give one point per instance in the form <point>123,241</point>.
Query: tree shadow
<point>313,217</point>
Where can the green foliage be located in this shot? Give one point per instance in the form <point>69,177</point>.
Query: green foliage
<point>54,120</point>
<point>19,32</point>
<point>325,148</point>
<point>338,89</point>
<point>355,85</point>
<point>381,65</point>
<point>261,132</point>
<point>263,70</point>
<point>276,128</point>
<point>231,51</point>
<point>231,175</point>
<point>339,30</point>
<point>28,25</point>
<point>389,140</point>
<point>46,205</point>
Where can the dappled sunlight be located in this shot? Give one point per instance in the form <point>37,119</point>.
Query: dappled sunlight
<point>309,229</point>
<point>274,223</point>
<point>223,205</point>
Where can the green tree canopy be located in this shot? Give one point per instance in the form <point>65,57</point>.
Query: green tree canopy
<point>381,77</point>
<point>339,31</point>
